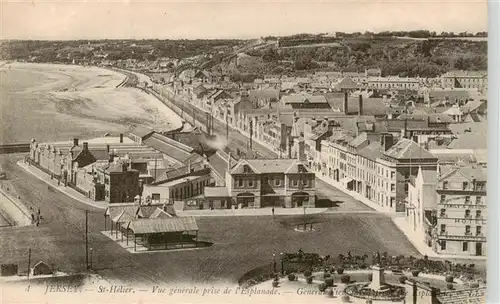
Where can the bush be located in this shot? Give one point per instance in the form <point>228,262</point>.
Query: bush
<point>368,301</point>
<point>329,282</point>
<point>309,280</point>
<point>345,279</point>
<point>329,293</point>
<point>415,273</point>
<point>276,283</point>
<point>474,285</point>
<point>449,286</point>
<point>326,275</point>
<point>307,273</point>
<point>322,287</point>
<point>291,277</point>
<point>402,279</point>
<point>370,277</point>
<point>449,278</point>
<point>340,270</point>
<point>345,299</point>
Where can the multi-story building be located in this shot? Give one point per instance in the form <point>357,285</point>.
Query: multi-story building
<point>121,184</point>
<point>465,79</point>
<point>270,182</point>
<point>421,204</point>
<point>395,83</point>
<point>461,211</point>
<point>378,171</point>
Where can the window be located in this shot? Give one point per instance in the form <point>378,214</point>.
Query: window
<point>443,245</point>
<point>277,182</point>
<point>443,198</point>
<point>478,200</point>
<point>478,213</point>
<point>467,199</point>
<point>465,185</point>
<point>250,183</point>
<point>393,187</point>
<point>478,230</point>
<point>467,213</point>
<point>246,169</point>
<point>393,174</point>
<point>465,246</point>
<point>295,183</point>
<point>445,185</point>
<point>443,228</point>
<point>240,182</point>
<point>442,212</point>
<point>467,229</point>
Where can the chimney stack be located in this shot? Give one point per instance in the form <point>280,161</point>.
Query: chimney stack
<point>346,100</point>
<point>85,146</point>
<point>360,104</point>
<point>75,141</point>
<point>121,138</point>
<point>107,148</point>
<point>387,141</point>
<point>229,162</point>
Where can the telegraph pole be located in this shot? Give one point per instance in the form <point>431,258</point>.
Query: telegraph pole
<point>29,263</point>
<point>251,133</point>
<point>227,127</point>
<point>87,238</point>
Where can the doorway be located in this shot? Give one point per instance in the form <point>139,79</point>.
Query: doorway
<point>479,249</point>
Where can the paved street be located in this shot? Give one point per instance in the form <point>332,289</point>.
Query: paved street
<point>240,243</point>
<point>340,200</point>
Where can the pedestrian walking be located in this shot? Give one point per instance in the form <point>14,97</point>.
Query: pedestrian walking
<point>272,210</point>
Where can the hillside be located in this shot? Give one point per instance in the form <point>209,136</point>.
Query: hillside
<point>395,56</point>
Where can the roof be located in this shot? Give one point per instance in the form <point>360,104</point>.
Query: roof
<point>406,148</point>
<point>159,213</point>
<point>216,192</point>
<point>162,225</point>
<point>141,131</point>
<point>470,141</point>
<point>114,210</point>
<point>181,171</point>
<point>371,106</point>
<point>450,94</point>
<point>347,83</point>
<point>264,94</point>
<point>359,140</point>
<point>169,146</point>
<point>278,165</point>
<point>470,127</point>
<point>303,98</point>
<point>460,73</point>
<point>373,151</point>
<point>472,105</point>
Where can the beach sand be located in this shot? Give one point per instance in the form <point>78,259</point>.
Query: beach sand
<point>57,102</point>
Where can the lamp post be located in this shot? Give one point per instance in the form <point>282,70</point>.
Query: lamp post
<point>274,263</point>
<point>282,265</point>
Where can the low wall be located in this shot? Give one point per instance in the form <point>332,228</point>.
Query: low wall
<point>14,148</point>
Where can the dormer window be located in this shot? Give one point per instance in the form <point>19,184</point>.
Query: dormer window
<point>246,169</point>
<point>301,168</point>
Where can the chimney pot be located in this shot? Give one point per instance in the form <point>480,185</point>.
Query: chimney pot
<point>86,146</point>
<point>75,141</point>
<point>121,137</point>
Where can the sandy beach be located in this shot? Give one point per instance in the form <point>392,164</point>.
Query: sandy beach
<point>57,102</point>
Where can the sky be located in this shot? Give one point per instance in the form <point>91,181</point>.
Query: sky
<point>133,19</point>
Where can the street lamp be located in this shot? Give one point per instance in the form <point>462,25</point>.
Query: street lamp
<point>274,263</point>
<point>282,268</point>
